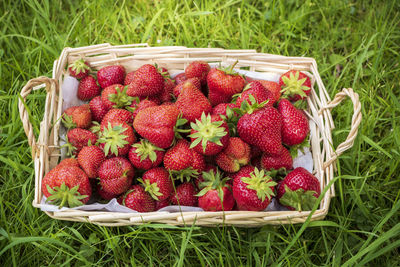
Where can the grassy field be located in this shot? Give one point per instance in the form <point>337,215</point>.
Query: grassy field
<point>356,44</point>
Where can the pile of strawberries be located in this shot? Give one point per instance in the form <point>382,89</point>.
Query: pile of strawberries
<point>209,138</point>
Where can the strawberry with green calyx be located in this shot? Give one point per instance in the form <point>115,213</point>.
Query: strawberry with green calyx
<point>116,175</point>
<point>299,190</point>
<point>147,81</point>
<point>116,139</point>
<point>79,68</point>
<point>88,88</point>
<point>295,85</point>
<point>77,117</point>
<point>252,189</point>
<point>78,138</point>
<point>273,87</point>
<point>198,69</point>
<point>200,178</point>
<point>144,155</point>
<point>215,194</point>
<point>209,135</point>
<point>157,183</point>
<point>185,195</point>
<point>117,114</point>
<point>114,96</point>
<point>259,93</point>
<point>225,111</point>
<point>97,108</point>
<point>193,81</point>
<point>66,186</point>
<point>90,158</point>
<point>138,199</point>
<point>110,75</point>
<point>283,160</point>
<point>234,156</point>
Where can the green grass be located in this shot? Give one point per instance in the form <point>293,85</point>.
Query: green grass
<point>356,44</point>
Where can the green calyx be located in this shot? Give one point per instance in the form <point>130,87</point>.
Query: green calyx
<point>113,138</point>
<point>293,86</point>
<point>231,119</point>
<point>213,181</point>
<point>70,148</point>
<point>79,66</point>
<point>68,121</point>
<point>130,108</point>
<point>251,107</point>
<point>294,149</point>
<point>145,150</point>
<point>180,122</point>
<point>299,199</point>
<point>95,128</point>
<point>229,70</point>
<point>64,196</point>
<point>261,183</point>
<point>207,131</point>
<point>183,175</point>
<point>152,188</point>
<point>121,99</point>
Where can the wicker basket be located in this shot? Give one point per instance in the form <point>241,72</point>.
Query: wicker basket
<point>46,152</point>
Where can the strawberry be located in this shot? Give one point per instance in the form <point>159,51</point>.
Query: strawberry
<point>223,84</point>
<point>198,69</point>
<point>185,195</point>
<point>258,92</point>
<point>103,194</point>
<point>129,77</point>
<point>97,108</point>
<point>138,199</point>
<point>210,135</point>
<point>295,127</point>
<point>178,88</point>
<point>116,114</point>
<point>79,69</point>
<point>283,160</point>
<point>299,190</point>
<point>234,156</point>
<point>157,182</point>
<point>77,117</point>
<point>114,96</point>
<point>168,91</point>
<point>66,186</point>
<point>162,204</point>
<point>200,179</point>
<point>116,138</point>
<point>77,138</point>
<point>252,189</point>
<point>221,109</point>
<point>116,175</point>
<point>144,155</point>
<point>88,88</point>
<point>68,162</point>
<point>273,87</point>
<point>295,85</point>
<point>90,158</point>
<point>110,75</point>
<point>136,107</point>
<point>225,111</point>
<point>181,77</point>
<point>146,81</point>
<point>192,103</point>
<point>216,194</point>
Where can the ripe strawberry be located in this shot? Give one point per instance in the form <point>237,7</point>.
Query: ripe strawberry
<point>223,84</point>
<point>103,194</point>
<point>168,91</point>
<point>178,88</point>
<point>258,92</point>
<point>66,186</point>
<point>116,138</point>
<point>146,81</point>
<point>68,162</point>
<point>88,88</point>
<point>77,138</point>
<point>210,135</point>
<point>117,114</point>
<point>114,96</point>
<point>283,160</point>
<point>157,182</point>
<point>138,199</point>
<point>221,109</point>
<point>90,158</point>
<point>180,78</point>
<point>129,77</point>
<point>299,190</point>
<point>295,127</point>
<point>185,195</point>
<point>79,69</point>
<point>136,107</point>
<point>97,108</point>
<point>162,204</point>
<point>200,178</point>
<point>192,103</point>
<point>144,155</point>
<point>234,156</point>
<point>273,87</point>
<point>116,175</point>
<point>226,112</point>
<point>110,75</point>
<point>77,117</point>
<point>252,189</point>
<point>216,194</point>
<point>198,69</point>
<point>295,85</point>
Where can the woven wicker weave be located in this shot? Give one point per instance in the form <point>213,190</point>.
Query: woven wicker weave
<point>46,152</point>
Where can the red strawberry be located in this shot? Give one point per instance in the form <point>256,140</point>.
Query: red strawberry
<point>299,190</point>
<point>77,138</point>
<point>192,103</point>
<point>138,199</point>
<point>225,111</point>
<point>77,117</point>
<point>162,204</point>
<point>210,135</point>
<point>157,182</point>
<point>79,69</point>
<point>103,194</point>
<point>145,103</point>
<point>256,90</point>
<point>223,84</point>
<point>110,75</point>
<point>198,162</point>
<point>90,158</point>
<point>283,160</point>
<point>220,109</point>
<point>295,127</point>
<point>252,189</point>
<point>180,78</point>
<point>88,88</point>
<point>116,175</point>
<point>235,155</point>
<point>295,85</point>
<point>97,108</point>
<point>68,162</point>
<point>116,114</point>
<point>146,81</point>
<point>200,178</point>
<point>216,194</point>
<point>66,186</point>
<point>273,87</point>
<point>116,138</point>
<point>178,88</point>
<point>129,77</point>
<point>114,96</point>
<point>185,195</point>
<point>198,69</point>
<point>144,155</point>
<point>168,91</point>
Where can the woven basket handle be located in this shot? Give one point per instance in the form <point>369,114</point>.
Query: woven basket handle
<point>32,84</point>
<point>355,121</point>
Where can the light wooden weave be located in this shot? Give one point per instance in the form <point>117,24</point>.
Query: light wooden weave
<point>46,153</point>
